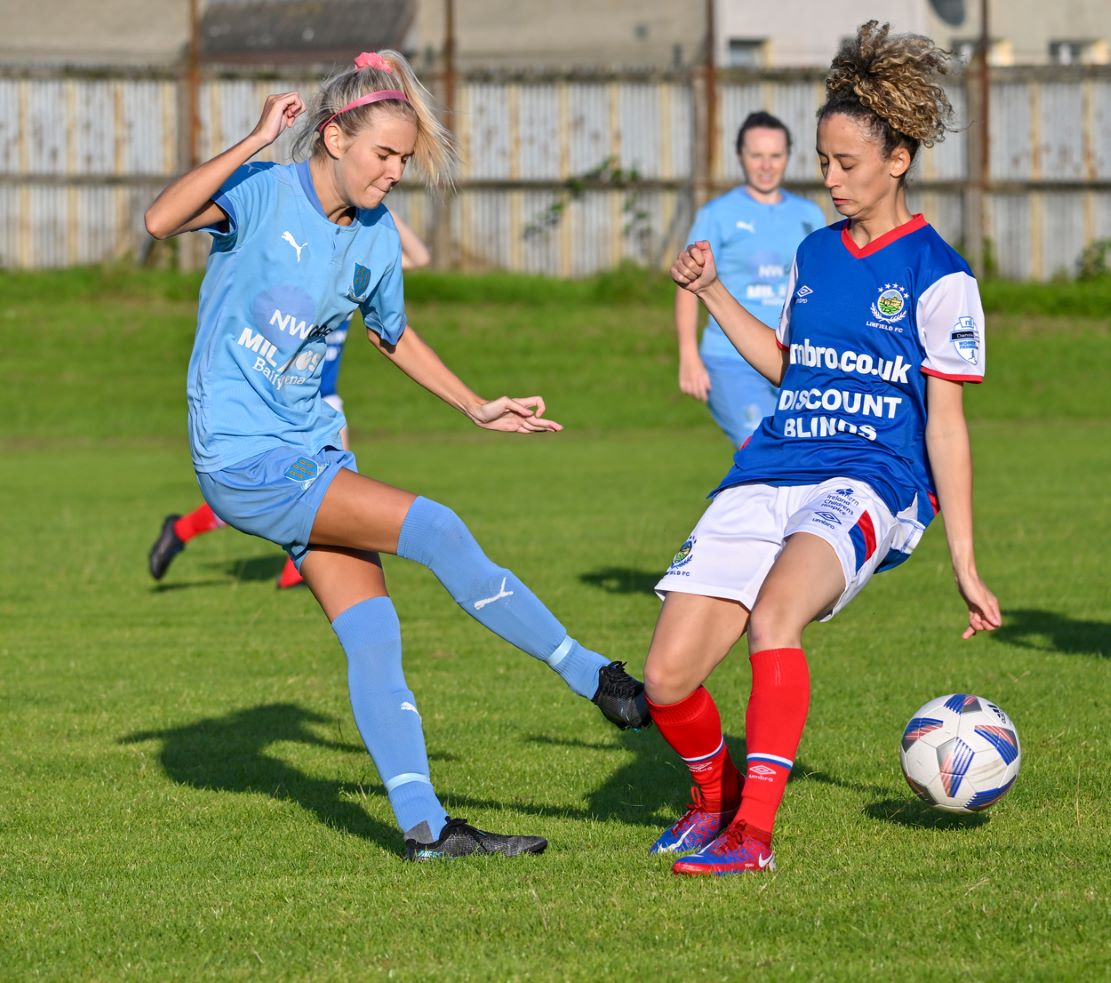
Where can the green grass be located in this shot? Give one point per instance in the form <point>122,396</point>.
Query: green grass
<point>185,794</point>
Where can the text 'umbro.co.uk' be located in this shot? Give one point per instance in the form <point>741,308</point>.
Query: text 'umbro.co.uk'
<point>821,356</point>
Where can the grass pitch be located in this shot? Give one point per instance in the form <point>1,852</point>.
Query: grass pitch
<point>185,793</point>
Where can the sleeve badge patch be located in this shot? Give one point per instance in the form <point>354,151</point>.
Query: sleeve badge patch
<point>966,339</point>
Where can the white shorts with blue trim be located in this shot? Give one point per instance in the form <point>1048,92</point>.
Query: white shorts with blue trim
<point>275,494</point>
<point>741,534</point>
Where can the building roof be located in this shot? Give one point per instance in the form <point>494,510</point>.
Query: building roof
<point>302,30</point>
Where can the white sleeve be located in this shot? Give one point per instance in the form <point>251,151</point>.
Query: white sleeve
<point>782,333</point>
<point>951,329</point>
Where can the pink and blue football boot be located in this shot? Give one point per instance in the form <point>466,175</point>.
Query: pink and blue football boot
<point>733,852</point>
<point>698,827</point>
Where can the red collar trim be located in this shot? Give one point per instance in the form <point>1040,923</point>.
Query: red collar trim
<point>917,222</point>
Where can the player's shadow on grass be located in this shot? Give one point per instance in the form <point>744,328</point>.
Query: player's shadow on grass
<point>915,812</point>
<point>253,568</point>
<point>652,788</point>
<point>250,569</point>
<point>233,753</point>
<point>1047,631</point>
<point>622,580</point>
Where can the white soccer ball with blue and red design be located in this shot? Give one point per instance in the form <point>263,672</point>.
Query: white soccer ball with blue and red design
<point>960,753</point>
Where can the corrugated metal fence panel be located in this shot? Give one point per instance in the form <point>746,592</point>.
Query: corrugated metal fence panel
<point>1061,143</point>
<point>538,147</point>
<point>1099,128</point>
<point>1011,240</point>
<point>638,128</point>
<point>12,139</point>
<point>943,209</point>
<point>233,109</point>
<point>1062,233</point>
<point>46,130</point>
<point>736,101</point>
<point>80,157</point>
<point>1101,209</point>
<point>947,160</point>
<point>94,142</point>
<point>486,133</point>
<point>149,114</point>
<point>796,104</point>
<point>678,138</point>
<point>10,231</point>
<point>1012,157</point>
<point>541,248</point>
<point>51,212</point>
<point>589,132</point>
<point>98,217</point>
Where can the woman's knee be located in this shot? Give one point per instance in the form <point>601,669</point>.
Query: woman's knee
<point>774,623</point>
<point>671,676</point>
<point>430,528</point>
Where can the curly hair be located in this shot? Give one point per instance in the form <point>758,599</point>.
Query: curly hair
<point>893,83</point>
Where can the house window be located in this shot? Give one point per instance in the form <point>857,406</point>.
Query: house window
<point>747,52</point>
<point>1088,52</point>
<point>999,52</point>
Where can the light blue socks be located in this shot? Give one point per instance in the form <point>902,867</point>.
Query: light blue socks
<point>437,538</point>
<point>386,713</point>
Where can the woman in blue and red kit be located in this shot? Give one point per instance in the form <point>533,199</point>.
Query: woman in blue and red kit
<point>881,329</point>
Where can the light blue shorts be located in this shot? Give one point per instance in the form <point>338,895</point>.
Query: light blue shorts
<point>740,397</point>
<point>275,494</point>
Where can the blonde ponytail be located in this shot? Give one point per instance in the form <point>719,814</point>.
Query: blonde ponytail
<point>434,154</point>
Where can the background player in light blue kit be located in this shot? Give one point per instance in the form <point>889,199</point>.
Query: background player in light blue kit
<point>754,231</point>
<point>296,249</point>
<point>882,328</point>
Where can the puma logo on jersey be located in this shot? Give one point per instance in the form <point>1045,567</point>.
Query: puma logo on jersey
<point>747,226</point>
<point>298,246</point>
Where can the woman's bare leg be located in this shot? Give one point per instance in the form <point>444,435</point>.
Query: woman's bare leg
<point>359,513</point>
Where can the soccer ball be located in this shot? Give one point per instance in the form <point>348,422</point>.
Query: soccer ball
<point>960,753</point>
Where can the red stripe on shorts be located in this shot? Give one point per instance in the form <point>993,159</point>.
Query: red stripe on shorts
<point>864,524</point>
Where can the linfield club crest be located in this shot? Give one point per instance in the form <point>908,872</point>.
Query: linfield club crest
<point>682,558</point>
<point>891,304</point>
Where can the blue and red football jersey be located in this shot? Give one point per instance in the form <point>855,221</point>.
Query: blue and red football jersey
<point>864,327</point>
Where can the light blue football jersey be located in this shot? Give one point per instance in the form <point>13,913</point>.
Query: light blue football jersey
<point>280,278</point>
<point>864,327</point>
<point>753,246</point>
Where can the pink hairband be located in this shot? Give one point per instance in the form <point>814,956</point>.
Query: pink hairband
<point>369,59</point>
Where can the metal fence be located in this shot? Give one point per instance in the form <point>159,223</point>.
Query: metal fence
<point>564,175</point>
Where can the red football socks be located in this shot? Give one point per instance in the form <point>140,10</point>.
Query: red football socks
<point>290,575</point>
<point>776,715</point>
<point>196,522</point>
<point>693,728</point>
